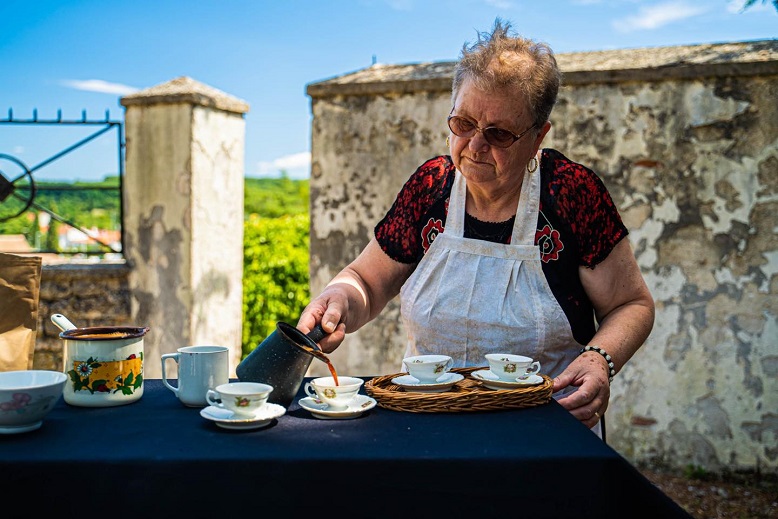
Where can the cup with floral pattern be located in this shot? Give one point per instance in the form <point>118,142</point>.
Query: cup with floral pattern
<point>428,368</point>
<point>337,394</point>
<point>244,399</point>
<point>511,367</point>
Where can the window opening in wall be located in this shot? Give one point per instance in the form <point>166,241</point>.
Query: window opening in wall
<point>61,187</point>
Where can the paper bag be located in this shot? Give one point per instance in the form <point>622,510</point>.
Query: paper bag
<point>20,281</point>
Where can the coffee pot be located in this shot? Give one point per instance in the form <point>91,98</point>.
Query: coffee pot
<point>282,360</point>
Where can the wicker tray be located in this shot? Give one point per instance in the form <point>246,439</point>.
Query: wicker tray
<point>468,394</point>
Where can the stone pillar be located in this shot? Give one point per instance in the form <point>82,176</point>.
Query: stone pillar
<point>183,217</point>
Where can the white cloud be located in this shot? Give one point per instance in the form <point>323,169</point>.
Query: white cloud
<point>656,16</point>
<point>98,85</point>
<point>18,150</point>
<point>296,165</point>
<point>586,2</point>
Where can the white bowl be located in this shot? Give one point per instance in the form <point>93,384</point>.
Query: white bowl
<point>26,397</point>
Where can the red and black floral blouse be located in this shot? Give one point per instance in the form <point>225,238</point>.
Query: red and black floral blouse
<point>578,224</point>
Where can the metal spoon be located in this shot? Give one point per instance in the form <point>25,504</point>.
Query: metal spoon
<point>62,322</point>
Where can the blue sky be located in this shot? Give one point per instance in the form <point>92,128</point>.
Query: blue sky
<point>74,55</point>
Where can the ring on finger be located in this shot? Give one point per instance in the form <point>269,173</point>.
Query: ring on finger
<point>597,415</point>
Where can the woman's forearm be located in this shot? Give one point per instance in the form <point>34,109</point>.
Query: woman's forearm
<point>624,330</point>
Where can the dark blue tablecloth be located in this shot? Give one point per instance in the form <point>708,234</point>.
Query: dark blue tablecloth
<point>156,456</point>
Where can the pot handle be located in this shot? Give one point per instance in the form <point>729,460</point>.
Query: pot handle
<point>317,333</point>
<point>62,322</point>
<point>305,342</point>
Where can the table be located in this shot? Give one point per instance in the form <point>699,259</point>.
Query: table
<point>156,456</point>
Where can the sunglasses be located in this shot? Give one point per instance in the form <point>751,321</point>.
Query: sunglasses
<point>498,137</point>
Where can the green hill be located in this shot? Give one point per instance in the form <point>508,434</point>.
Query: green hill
<point>96,204</point>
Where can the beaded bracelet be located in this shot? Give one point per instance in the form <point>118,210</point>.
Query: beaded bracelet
<point>611,369</point>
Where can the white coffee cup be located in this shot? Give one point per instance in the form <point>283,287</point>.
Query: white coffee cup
<point>337,397</point>
<point>510,367</point>
<point>427,368</point>
<point>242,398</point>
<point>200,368</point>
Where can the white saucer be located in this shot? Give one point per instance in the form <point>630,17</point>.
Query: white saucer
<point>228,420</point>
<point>491,380</point>
<point>14,429</point>
<point>444,383</point>
<point>319,409</point>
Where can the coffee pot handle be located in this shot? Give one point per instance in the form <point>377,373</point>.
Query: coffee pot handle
<point>317,333</point>
<point>307,342</point>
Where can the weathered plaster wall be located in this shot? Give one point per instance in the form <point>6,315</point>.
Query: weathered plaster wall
<point>216,310</point>
<point>183,217</point>
<point>686,139</point>
<point>157,226</point>
<point>693,166</point>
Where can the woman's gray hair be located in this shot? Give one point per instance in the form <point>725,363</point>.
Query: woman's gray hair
<point>499,61</point>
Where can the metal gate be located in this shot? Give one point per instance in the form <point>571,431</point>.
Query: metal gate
<point>20,192</point>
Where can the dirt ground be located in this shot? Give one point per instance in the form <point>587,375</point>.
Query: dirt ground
<point>713,497</point>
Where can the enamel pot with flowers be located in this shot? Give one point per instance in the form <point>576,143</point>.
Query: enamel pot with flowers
<point>104,364</point>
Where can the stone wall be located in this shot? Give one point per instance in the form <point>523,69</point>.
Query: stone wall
<point>686,140</point>
<point>87,294</point>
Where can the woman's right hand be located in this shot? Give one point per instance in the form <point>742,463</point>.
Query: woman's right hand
<point>329,309</point>
<point>355,296</point>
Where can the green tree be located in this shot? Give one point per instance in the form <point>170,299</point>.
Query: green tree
<point>275,255</point>
<point>749,3</point>
<point>86,204</point>
<point>275,274</point>
<point>52,235</point>
<point>274,197</point>
<point>19,225</point>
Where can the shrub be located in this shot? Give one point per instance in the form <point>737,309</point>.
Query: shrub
<point>275,274</point>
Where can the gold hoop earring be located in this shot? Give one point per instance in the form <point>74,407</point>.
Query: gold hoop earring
<point>448,144</point>
<point>534,165</point>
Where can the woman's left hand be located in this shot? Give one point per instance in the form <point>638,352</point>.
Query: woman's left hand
<point>589,373</point>
<point>625,314</point>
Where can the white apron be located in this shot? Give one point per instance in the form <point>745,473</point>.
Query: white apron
<point>470,297</point>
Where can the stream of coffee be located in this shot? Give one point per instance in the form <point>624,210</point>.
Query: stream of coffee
<point>333,372</point>
<point>322,357</point>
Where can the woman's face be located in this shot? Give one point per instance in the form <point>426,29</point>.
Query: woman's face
<point>483,165</point>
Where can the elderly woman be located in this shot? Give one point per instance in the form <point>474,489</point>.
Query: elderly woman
<point>502,246</point>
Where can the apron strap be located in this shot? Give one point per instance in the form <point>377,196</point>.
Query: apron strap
<point>455,221</point>
<point>526,222</point>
